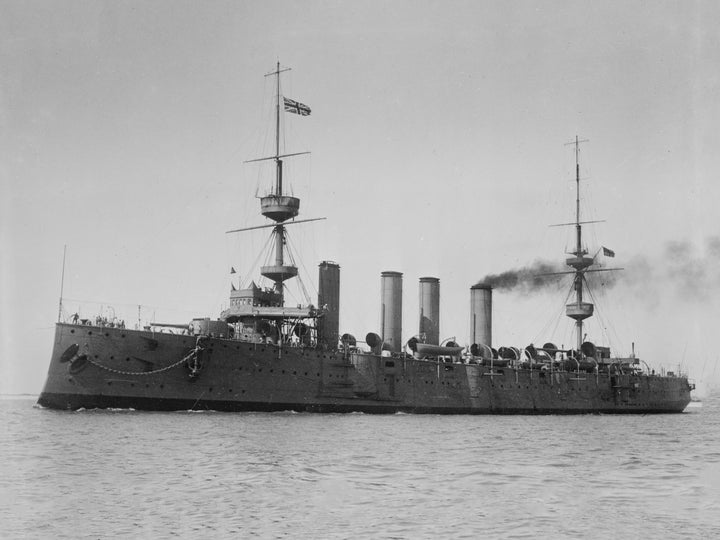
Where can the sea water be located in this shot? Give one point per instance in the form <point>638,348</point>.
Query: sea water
<point>132,474</point>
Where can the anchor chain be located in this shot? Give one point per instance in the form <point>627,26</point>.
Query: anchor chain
<point>166,368</point>
<point>195,362</point>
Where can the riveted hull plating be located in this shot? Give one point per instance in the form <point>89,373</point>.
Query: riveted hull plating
<point>145,370</point>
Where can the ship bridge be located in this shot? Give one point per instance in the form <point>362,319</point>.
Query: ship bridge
<point>255,302</point>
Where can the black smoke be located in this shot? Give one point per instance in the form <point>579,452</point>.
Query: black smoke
<point>689,271</point>
<point>534,277</point>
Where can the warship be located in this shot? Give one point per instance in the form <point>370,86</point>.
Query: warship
<point>261,354</point>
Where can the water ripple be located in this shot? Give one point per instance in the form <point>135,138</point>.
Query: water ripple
<point>124,473</point>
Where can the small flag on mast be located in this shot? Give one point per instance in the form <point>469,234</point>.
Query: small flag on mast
<point>608,252</point>
<point>296,107</point>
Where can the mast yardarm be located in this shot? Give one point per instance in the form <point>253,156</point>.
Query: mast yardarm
<point>278,206</point>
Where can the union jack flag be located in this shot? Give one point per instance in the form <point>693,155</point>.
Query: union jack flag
<point>296,107</point>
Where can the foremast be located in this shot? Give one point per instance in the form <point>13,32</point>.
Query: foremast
<point>579,310</point>
<point>261,312</point>
<point>279,207</point>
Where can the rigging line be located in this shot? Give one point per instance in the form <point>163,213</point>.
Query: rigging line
<point>559,317</point>
<point>87,301</point>
<point>253,267</point>
<point>288,292</point>
<point>269,251</point>
<point>598,312</point>
<point>302,264</point>
<point>283,119</point>
<point>304,290</point>
<point>264,142</point>
<point>545,329</point>
<point>299,278</point>
<point>605,324</point>
<point>104,305</point>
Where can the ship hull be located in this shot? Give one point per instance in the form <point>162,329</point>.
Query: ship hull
<point>94,367</point>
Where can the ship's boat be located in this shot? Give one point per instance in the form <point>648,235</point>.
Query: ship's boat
<point>262,354</point>
<point>425,350</point>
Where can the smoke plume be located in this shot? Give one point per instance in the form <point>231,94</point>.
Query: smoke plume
<point>690,272</point>
<point>528,279</point>
<point>686,270</point>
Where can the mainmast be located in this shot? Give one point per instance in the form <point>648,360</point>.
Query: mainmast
<point>579,310</point>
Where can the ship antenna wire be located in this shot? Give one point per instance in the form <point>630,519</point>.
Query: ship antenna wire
<point>62,283</point>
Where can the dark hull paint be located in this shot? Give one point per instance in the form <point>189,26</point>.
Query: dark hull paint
<point>74,402</point>
<point>144,371</point>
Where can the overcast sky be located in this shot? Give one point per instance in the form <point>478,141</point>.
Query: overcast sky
<point>437,133</point>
